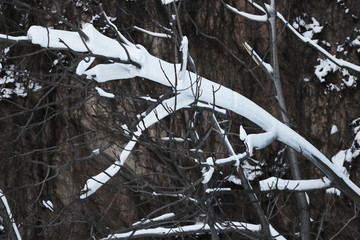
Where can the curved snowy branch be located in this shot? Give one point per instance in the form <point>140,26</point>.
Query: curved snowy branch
<point>163,72</point>
<point>253,17</point>
<point>161,111</point>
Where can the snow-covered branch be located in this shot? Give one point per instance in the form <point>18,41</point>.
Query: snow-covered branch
<point>161,111</point>
<point>163,217</point>
<point>207,172</point>
<point>12,38</point>
<point>257,141</point>
<point>154,34</point>
<point>274,183</point>
<point>257,59</point>
<point>190,229</point>
<point>162,72</point>
<point>253,17</point>
<point>313,43</point>
<point>10,216</point>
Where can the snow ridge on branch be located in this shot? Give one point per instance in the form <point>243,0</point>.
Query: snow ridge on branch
<point>162,72</point>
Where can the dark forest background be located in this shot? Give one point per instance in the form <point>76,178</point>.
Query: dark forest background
<point>47,136</point>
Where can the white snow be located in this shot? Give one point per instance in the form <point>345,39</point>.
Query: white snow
<point>324,68</point>
<point>20,38</point>
<point>175,139</point>
<point>326,43</point>
<point>84,64</point>
<point>94,183</point>
<point>334,129</point>
<point>340,48</point>
<point>147,98</point>
<point>339,62</point>
<point>154,34</point>
<point>242,133</point>
<point>257,59</point>
<point>356,41</point>
<point>347,155</point>
<point>126,129</point>
<point>2,228</point>
<point>197,227</point>
<point>210,106</point>
<point>311,28</point>
<point>8,211</point>
<point>351,79</point>
<point>175,195</point>
<point>210,190</point>
<point>102,93</point>
<point>159,218</point>
<point>274,183</point>
<point>233,158</point>
<point>295,25</point>
<point>257,141</point>
<point>97,43</point>
<point>6,50</point>
<point>48,204</point>
<point>251,172</point>
<point>164,2</point>
<point>161,111</point>
<point>334,191</point>
<point>253,17</point>
<point>233,179</point>
<point>207,172</point>
<point>162,72</point>
<point>340,158</point>
<point>307,198</point>
<point>184,49</point>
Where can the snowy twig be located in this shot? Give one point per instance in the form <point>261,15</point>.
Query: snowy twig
<point>154,34</point>
<point>253,17</point>
<point>337,61</point>
<point>12,38</point>
<point>257,59</point>
<point>113,26</point>
<point>163,217</point>
<point>11,218</point>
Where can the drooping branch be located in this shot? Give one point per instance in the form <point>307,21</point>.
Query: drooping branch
<point>162,72</point>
